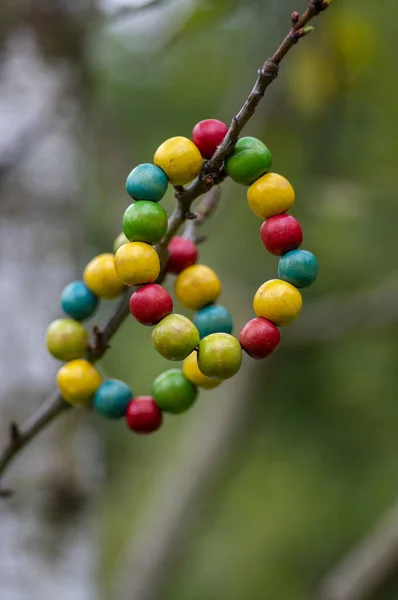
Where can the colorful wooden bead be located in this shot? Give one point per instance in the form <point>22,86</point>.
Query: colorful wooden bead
<point>182,254</point>
<point>101,278</point>
<point>195,376</point>
<point>207,135</point>
<point>298,267</point>
<point>277,301</point>
<point>119,241</point>
<point>213,319</point>
<point>175,337</point>
<point>78,381</point>
<point>112,399</point>
<point>143,415</point>
<point>270,195</point>
<point>180,159</point>
<point>173,393</point>
<point>78,301</point>
<point>219,356</point>
<point>137,263</point>
<point>280,234</point>
<point>249,160</point>
<point>259,338</point>
<point>197,286</point>
<point>150,304</point>
<point>147,182</point>
<point>66,339</point>
<point>145,221</point>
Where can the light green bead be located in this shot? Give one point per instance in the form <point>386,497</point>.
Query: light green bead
<point>119,241</point>
<point>144,221</point>
<point>219,356</point>
<point>175,337</point>
<point>66,339</point>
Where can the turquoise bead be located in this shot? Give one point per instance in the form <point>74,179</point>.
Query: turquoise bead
<point>213,319</point>
<point>298,267</point>
<point>147,182</point>
<point>78,301</point>
<point>112,398</point>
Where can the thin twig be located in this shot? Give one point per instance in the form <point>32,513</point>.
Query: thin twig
<point>205,211</point>
<point>55,405</point>
<point>103,336</point>
<point>212,174</point>
<point>367,567</point>
<point>44,415</point>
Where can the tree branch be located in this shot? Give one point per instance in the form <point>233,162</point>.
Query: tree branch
<point>144,563</point>
<point>212,174</point>
<point>205,211</point>
<point>20,436</point>
<point>367,567</point>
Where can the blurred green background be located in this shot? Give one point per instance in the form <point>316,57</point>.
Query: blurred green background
<point>310,460</point>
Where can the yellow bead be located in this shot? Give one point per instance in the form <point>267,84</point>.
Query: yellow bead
<point>270,195</point>
<point>197,286</point>
<point>277,301</point>
<point>78,381</point>
<point>101,278</point>
<point>194,375</point>
<point>137,262</point>
<point>180,159</point>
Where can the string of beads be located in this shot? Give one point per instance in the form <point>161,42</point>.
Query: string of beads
<point>205,344</point>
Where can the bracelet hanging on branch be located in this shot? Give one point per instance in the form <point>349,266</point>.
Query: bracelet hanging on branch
<point>149,250</point>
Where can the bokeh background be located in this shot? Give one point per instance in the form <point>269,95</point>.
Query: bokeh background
<point>270,480</point>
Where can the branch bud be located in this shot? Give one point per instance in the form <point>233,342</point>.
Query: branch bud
<point>307,30</point>
<point>320,5</point>
<point>295,17</point>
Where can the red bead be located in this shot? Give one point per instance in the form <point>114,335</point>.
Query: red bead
<point>143,415</point>
<point>207,135</point>
<point>281,234</point>
<point>182,254</point>
<point>259,338</point>
<point>150,304</point>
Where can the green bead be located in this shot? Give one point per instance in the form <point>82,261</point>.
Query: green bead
<point>145,221</point>
<point>219,356</point>
<point>172,392</point>
<point>66,339</point>
<point>249,160</point>
<point>175,337</point>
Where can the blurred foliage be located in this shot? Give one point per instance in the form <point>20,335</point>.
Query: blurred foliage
<point>317,463</point>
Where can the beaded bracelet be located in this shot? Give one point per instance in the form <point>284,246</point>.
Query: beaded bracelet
<point>209,351</point>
